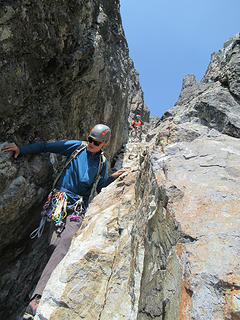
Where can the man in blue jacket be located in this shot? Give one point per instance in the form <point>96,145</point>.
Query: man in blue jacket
<point>76,181</point>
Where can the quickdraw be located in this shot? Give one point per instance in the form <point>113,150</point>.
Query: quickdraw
<point>77,210</point>
<point>54,209</point>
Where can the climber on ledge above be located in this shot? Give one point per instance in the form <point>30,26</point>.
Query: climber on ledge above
<point>137,127</point>
<point>85,171</point>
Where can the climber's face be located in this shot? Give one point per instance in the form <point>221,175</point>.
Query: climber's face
<point>95,145</point>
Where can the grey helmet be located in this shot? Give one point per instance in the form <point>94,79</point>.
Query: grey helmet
<point>100,132</point>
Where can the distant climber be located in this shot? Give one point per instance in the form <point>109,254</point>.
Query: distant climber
<point>137,127</point>
<point>66,206</point>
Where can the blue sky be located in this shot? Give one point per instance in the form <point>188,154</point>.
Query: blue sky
<point>169,39</point>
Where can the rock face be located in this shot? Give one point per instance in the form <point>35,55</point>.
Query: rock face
<point>214,102</point>
<point>162,242</point>
<point>64,66</point>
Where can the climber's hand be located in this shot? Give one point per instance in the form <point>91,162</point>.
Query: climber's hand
<point>118,173</point>
<point>11,147</point>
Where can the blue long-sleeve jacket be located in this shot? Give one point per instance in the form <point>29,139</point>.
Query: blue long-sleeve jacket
<point>78,177</point>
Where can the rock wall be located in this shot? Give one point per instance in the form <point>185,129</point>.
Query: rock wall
<point>162,242</point>
<point>64,66</point>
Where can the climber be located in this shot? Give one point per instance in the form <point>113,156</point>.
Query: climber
<point>137,127</point>
<point>74,184</point>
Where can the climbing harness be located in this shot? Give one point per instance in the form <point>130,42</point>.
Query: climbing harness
<point>56,208</point>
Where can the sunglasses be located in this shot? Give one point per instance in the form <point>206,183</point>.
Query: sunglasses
<point>96,143</point>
